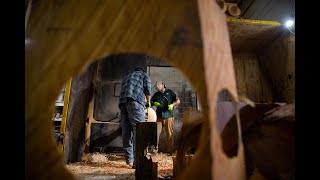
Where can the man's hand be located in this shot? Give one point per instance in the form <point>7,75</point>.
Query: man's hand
<point>148,104</point>
<point>170,107</point>
<point>157,104</point>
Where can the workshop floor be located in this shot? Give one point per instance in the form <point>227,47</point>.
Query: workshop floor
<point>99,166</point>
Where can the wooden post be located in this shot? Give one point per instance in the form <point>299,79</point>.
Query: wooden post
<point>146,136</point>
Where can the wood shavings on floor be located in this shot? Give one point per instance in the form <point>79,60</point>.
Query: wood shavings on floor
<point>113,166</point>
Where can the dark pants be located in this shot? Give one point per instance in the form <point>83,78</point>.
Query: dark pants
<point>132,112</point>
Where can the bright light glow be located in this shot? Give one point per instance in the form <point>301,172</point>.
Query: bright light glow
<point>289,23</point>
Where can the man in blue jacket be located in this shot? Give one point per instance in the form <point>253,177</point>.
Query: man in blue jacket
<point>135,88</point>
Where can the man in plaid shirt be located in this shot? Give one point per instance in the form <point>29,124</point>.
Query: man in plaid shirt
<point>134,89</point>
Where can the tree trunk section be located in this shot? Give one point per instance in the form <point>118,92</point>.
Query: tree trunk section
<point>146,136</point>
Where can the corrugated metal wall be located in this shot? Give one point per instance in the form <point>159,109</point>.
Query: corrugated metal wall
<point>275,10</point>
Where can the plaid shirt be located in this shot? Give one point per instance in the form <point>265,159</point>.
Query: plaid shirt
<point>136,85</point>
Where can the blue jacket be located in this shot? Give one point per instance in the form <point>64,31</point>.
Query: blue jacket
<point>136,86</point>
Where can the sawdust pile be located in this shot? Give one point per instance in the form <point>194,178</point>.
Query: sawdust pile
<point>98,158</point>
<point>114,166</point>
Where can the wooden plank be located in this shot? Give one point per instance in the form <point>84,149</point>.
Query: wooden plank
<point>251,81</point>
<point>146,136</point>
<point>253,21</point>
<point>278,64</point>
<point>218,63</point>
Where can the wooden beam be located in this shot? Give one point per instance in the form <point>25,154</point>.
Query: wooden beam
<point>253,21</point>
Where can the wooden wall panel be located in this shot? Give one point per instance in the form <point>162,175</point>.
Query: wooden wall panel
<point>251,82</point>
<point>278,63</point>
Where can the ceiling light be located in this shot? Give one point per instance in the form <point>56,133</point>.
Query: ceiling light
<point>289,23</point>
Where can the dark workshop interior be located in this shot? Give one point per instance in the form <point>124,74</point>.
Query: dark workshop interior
<point>85,118</point>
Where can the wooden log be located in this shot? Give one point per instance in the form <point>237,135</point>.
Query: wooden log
<point>146,136</point>
<point>233,9</point>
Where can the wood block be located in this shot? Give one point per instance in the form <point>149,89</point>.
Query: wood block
<point>146,135</point>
